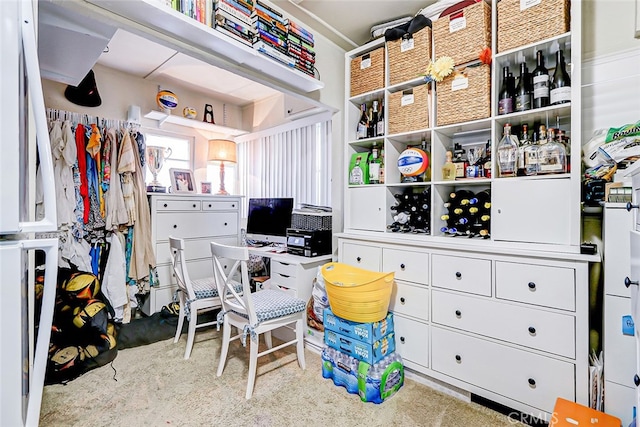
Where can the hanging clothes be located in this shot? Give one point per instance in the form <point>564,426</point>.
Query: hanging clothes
<point>126,167</point>
<point>115,206</point>
<point>82,171</point>
<point>114,281</point>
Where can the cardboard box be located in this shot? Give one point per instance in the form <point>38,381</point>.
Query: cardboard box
<point>359,169</point>
<point>365,332</point>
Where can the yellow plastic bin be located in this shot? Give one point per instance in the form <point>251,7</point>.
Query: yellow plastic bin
<point>356,294</point>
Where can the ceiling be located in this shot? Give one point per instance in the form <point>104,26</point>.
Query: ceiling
<point>334,19</point>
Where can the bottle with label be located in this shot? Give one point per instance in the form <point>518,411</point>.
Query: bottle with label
<point>426,176</point>
<point>561,85</point>
<point>552,157</point>
<point>380,123</point>
<point>381,167</point>
<point>460,160</point>
<point>540,82</point>
<point>507,153</point>
<point>531,156</point>
<point>505,98</point>
<point>373,120</point>
<point>374,166</point>
<point>449,169</point>
<point>363,123</point>
<point>524,143</point>
<point>523,95</point>
<point>561,137</point>
<point>356,176</point>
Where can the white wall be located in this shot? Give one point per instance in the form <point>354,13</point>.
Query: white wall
<point>608,26</point>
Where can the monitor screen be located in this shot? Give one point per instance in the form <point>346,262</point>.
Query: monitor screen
<point>268,219</point>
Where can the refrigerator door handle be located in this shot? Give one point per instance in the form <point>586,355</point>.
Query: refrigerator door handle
<point>49,222</point>
<point>50,246</point>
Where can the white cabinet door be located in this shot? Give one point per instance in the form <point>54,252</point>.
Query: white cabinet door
<point>536,211</point>
<point>620,349</point>
<point>366,208</point>
<point>617,224</point>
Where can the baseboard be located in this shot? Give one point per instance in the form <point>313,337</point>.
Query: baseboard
<point>438,385</point>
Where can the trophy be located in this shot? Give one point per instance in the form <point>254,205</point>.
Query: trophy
<point>155,160</point>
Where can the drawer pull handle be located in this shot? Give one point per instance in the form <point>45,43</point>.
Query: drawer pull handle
<point>532,286</point>
<point>532,383</point>
<point>636,380</point>
<point>284,275</point>
<point>358,259</point>
<point>225,224</point>
<point>402,266</point>
<point>458,358</point>
<point>402,300</point>
<point>165,205</point>
<point>175,226</point>
<point>458,314</point>
<point>458,275</point>
<point>402,340</point>
<point>631,206</point>
<point>209,204</point>
<point>233,205</point>
<point>532,330</point>
<point>628,282</point>
<point>194,205</point>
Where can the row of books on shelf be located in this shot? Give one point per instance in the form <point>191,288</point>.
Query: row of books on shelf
<point>258,25</point>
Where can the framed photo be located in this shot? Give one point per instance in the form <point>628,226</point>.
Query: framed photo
<point>182,181</point>
<point>205,187</point>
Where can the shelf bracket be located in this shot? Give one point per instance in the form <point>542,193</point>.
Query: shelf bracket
<point>161,121</point>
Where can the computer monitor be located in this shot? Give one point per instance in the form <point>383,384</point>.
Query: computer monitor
<point>268,219</point>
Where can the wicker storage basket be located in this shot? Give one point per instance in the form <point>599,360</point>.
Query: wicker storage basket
<point>460,100</point>
<point>409,109</point>
<point>547,19</point>
<point>367,72</point>
<point>409,59</point>
<point>464,34</point>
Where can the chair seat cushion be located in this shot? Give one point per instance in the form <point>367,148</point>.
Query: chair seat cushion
<point>271,304</point>
<point>204,288</point>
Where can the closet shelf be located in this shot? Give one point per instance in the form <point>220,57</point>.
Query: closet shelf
<point>163,118</point>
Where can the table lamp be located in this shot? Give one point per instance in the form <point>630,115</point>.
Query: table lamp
<point>222,150</point>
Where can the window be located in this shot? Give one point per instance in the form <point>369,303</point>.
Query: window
<point>180,157</point>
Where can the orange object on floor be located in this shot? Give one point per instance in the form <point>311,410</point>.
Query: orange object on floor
<point>571,414</point>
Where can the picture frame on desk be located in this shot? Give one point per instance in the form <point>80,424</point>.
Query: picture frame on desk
<point>182,181</point>
<point>205,187</point>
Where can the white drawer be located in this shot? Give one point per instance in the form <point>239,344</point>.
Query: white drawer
<point>194,248</point>
<point>208,205</point>
<point>471,275</point>
<point>197,270</point>
<point>411,300</point>
<point>619,401</point>
<point>196,225</point>
<point>408,265</point>
<point>362,256</point>
<point>169,205</point>
<point>536,284</point>
<point>542,330</point>
<point>520,375</point>
<point>412,341</point>
<point>619,349</point>
<point>284,268</point>
<point>284,280</point>
<point>161,297</point>
<point>289,291</point>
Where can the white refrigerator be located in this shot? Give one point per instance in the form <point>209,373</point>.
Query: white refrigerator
<point>25,324</point>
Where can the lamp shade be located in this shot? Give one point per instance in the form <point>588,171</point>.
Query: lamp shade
<point>222,150</point>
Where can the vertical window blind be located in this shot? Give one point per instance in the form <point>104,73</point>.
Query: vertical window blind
<point>287,161</point>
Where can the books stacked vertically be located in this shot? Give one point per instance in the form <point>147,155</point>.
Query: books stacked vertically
<point>300,48</point>
<point>200,10</point>
<point>235,19</point>
<point>271,33</point>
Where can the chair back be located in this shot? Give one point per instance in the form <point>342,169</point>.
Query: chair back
<point>179,265</point>
<point>231,300</point>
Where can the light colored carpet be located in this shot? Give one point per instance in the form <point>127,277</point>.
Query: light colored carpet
<point>156,387</point>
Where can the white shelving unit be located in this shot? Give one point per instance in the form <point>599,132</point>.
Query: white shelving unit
<point>163,118</point>
<point>479,314</point>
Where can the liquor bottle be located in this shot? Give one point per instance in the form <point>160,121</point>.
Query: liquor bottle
<point>449,169</point>
<point>356,176</point>
<point>507,153</point>
<point>552,157</point>
<point>374,166</point>
<point>381,171</point>
<point>531,156</point>
<point>363,124</point>
<point>370,123</point>
<point>523,95</point>
<point>460,160</point>
<point>561,85</point>
<point>540,83</point>
<point>505,98</point>
<point>524,143</point>
<point>561,136</point>
<point>380,123</point>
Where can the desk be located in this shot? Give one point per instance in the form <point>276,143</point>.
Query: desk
<point>295,274</point>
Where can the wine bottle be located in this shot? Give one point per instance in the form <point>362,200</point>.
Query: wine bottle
<point>523,95</point>
<point>380,123</point>
<point>370,123</point>
<point>540,83</point>
<point>361,131</point>
<point>381,172</point>
<point>482,200</point>
<point>505,99</point>
<point>507,153</point>
<point>561,85</point>
<point>374,166</point>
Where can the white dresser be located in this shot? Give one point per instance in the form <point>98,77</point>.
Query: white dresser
<point>506,324</point>
<point>197,218</point>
